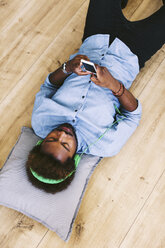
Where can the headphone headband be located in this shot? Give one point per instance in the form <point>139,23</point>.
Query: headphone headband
<point>47,180</point>
<point>42,179</point>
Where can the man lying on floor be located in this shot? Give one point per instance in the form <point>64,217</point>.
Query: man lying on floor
<point>75,111</point>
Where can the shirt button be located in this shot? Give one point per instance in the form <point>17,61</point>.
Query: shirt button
<point>89,81</point>
<point>102,54</point>
<point>76,110</point>
<point>73,120</point>
<point>83,96</point>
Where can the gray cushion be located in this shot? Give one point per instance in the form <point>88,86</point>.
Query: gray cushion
<point>58,211</point>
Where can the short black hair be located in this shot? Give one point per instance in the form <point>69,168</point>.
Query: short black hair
<point>49,167</point>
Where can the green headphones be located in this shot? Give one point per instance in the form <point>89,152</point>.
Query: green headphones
<point>56,181</point>
<point>77,157</point>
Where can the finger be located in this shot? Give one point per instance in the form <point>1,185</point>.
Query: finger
<point>81,73</point>
<point>84,72</point>
<point>99,71</point>
<point>94,79</point>
<point>84,57</point>
<point>97,66</point>
<point>77,66</point>
<point>94,75</point>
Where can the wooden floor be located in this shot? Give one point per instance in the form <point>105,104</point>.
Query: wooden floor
<point>124,205</point>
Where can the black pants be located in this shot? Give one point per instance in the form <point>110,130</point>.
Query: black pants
<point>144,37</point>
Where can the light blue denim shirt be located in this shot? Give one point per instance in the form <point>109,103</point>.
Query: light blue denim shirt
<point>87,107</point>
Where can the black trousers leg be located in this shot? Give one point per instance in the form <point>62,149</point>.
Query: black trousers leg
<point>103,17</point>
<point>144,37</point>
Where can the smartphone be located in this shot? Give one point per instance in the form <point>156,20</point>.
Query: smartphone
<point>89,66</point>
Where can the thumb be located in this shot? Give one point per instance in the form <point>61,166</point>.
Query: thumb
<point>94,79</point>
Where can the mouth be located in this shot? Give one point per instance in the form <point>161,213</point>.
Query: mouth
<point>68,128</point>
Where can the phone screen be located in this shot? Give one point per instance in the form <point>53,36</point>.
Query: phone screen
<point>89,67</point>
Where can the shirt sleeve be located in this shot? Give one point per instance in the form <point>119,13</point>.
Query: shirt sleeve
<point>124,128</point>
<point>47,90</point>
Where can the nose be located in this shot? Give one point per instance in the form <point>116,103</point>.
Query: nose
<point>61,135</point>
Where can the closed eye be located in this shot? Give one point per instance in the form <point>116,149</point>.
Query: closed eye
<point>51,139</point>
<point>64,144</point>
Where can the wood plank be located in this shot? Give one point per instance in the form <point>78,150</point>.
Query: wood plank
<point>9,10</point>
<point>131,8</point>
<point>147,72</point>
<point>140,9</point>
<point>16,230</point>
<point>145,9</point>
<point>148,229</point>
<point>26,39</point>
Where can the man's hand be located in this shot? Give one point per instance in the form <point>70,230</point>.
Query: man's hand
<point>58,76</point>
<point>105,79</point>
<point>74,65</point>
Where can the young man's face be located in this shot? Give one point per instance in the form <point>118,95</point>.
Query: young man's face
<point>61,142</point>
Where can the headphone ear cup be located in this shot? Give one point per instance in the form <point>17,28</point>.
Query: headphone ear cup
<point>77,159</point>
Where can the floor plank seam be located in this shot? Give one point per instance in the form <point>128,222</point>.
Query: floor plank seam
<point>151,76</point>
<point>134,13</point>
<point>141,208</point>
<point>42,54</point>
<point>42,238</point>
<point>14,18</point>
<point>19,215</point>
